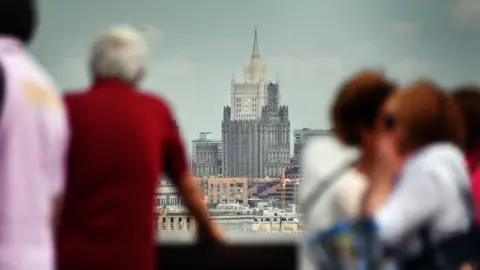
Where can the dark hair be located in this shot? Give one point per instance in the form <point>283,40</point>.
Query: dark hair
<point>429,115</point>
<point>468,100</point>
<point>18,18</point>
<point>357,105</point>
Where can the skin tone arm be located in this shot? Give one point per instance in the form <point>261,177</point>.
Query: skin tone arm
<point>177,170</point>
<point>193,199</point>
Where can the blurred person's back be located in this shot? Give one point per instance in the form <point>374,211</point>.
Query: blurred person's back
<point>33,140</point>
<point>119,137</point>
<point>329,158</point>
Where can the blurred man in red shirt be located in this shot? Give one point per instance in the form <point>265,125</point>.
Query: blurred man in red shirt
<point>122,141</point>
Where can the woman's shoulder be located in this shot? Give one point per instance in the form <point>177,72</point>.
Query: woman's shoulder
<point>441,161</point>
<point>353,178</point>
<point>351,187</point>
<point>437,154</point>
<point>323,155</point>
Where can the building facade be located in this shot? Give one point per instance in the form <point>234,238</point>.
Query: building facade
<point>301,137</point>
<point>225,190</point>
<point>206,156</point>
<point>167,195</point>
<point>230,207</point>
<point>232,218</point>
<point>255,127</point>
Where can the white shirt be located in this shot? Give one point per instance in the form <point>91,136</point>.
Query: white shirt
<point>427,191</point>
<point>323,157</point>
<point>33,145</point>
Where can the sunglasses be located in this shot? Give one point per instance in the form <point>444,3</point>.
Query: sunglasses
<point>389,121</point>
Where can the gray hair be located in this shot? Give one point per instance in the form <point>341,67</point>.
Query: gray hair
<point>121,52</point>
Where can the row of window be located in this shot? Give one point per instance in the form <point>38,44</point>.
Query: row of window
<point>172,201</point>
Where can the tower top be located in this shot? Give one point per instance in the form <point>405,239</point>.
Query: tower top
<point>255,51</point>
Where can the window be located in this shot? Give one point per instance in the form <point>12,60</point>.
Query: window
<point>180,224</point>
<point>172,224</point>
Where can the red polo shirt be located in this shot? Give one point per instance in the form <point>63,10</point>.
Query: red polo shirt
<point>122,142</point>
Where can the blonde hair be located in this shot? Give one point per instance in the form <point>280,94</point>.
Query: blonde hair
<point>120,52</point>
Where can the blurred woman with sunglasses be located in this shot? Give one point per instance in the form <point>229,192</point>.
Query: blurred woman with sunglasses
<point>421,205</point>
<point>334,169</point>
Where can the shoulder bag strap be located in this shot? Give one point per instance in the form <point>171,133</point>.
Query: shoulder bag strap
<point>323,186</point>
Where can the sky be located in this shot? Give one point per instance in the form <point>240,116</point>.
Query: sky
<point>197,45</point>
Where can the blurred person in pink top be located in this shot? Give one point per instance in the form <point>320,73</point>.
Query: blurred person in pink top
<point>468,99</point>
<point>33,141</point>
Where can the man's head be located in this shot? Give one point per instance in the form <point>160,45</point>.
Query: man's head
<point>18,18</point>
<point>120,53</point>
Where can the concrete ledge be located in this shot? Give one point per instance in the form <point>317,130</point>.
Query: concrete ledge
<point>230,256</point>
<point>235,238</point>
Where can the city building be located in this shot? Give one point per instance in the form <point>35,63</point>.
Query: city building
<point>293,171</point>
<point>168,201</point>
<point>224,190</point>
<point>206,156</point>
<point>167,195</point>
<point>255,128</point>
<point>291,193</point>
<point>233,218</point>
<point>229,205</point>
<point>174,219</point>
<point>300,138</point>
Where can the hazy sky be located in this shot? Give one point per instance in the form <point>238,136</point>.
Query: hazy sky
<point>198,44</point>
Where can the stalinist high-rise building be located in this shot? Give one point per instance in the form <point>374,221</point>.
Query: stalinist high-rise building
<point>255,128</point>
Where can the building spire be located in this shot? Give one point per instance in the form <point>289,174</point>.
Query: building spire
<point>255,51</point>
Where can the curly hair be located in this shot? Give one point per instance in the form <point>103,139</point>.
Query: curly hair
<point>358,103</point>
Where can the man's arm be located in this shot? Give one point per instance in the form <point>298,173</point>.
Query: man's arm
<point>176,168</point>
<point>194,201</point>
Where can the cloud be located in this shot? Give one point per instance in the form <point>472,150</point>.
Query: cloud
<point>410,68</point>
<point>152,33</point>
<point>305,68</point>
<point>405,28</point>
<point>365,48</point>
<point>466,13</point>
<point>177,65</point>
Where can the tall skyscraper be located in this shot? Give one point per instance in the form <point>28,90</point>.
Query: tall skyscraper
<point>255,128</point>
